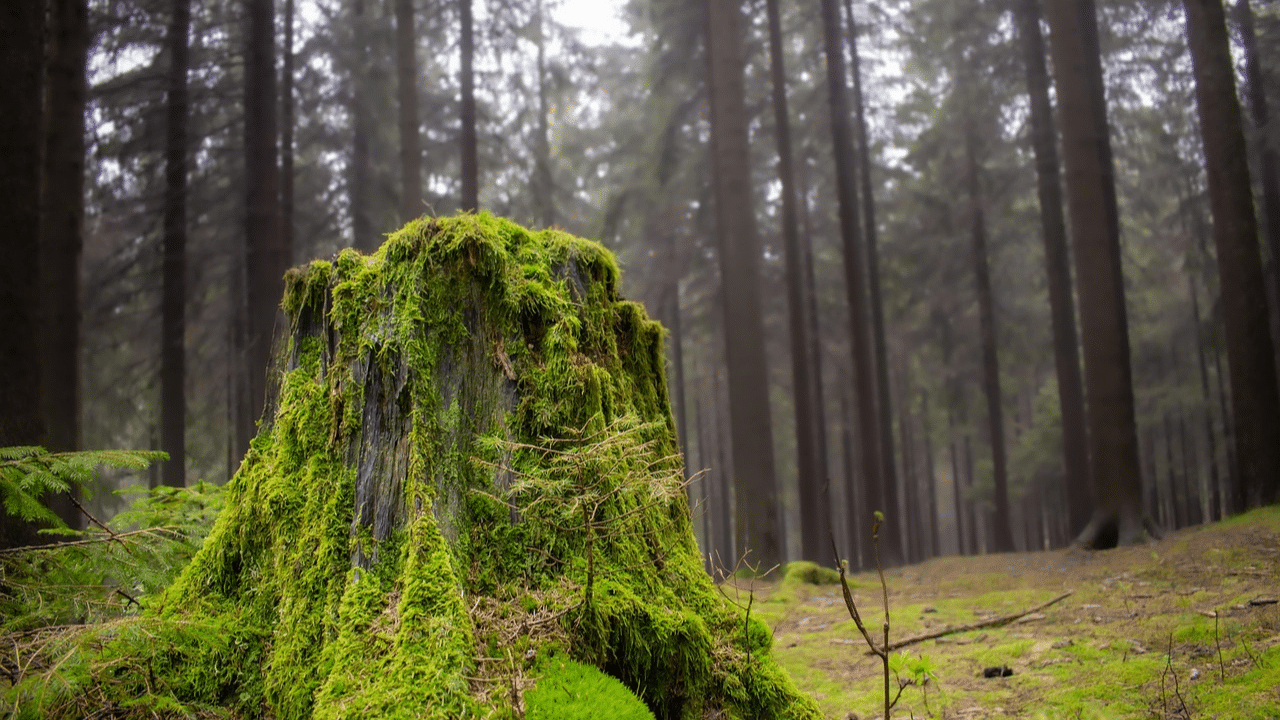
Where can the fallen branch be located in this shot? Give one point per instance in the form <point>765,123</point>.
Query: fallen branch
<point>994,622</point>
<point>88,541</point>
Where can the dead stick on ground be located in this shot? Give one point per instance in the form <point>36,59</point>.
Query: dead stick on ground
<point>978,625</point>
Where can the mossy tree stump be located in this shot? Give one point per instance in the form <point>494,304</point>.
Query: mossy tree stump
<point>400,540</point>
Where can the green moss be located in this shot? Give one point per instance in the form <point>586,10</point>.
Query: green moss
<point>376,556</point>
<point>568,690</point>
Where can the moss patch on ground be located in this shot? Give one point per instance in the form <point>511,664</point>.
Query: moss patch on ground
<point>1171,629</point>
<point>467,459</point>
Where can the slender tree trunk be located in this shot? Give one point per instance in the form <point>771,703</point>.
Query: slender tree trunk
<point>286,136</point>
<point>407,87</point>
<point>739,254</point>
<point>931,475</point>
<point>1255,398</point>
<point>1268,165</point>
<point>813,332</point>
<point>173,399</point>
<point>815,515</point>
<point>363,237</point>
<point>265,260</point>
<point>22,56</point>
<point>870,445</point>
<point>970,509</point>
<point>910,481</point>
<point>855,501</point>
<point>1066,354</point>
<point>62,232</point>
<point>544,178</point>
<point>884,404</point>
<point>1095,228</point>
<point>470,171</point>
<point>1002,522</point>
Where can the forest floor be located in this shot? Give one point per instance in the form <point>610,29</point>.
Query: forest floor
<point>1186,627</point>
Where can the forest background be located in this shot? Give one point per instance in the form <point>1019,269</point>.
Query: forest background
<point>860,300</point>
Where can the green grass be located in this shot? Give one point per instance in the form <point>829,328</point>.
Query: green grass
<point>569,690</point>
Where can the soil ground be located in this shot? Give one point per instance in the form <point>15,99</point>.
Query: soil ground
<point>1184,627</point>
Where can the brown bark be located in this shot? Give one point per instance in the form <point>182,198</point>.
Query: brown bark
<point>265,262</point>
<point>62,232</point>
<point>1255,399</point>
<point>1095,232</point>
<point>363,236</point>
<point>407,87</point>
<point>1002,523</point>
<point>739,256</point>
<point>815,515</point>
<point>286,136</point>
<point>1268,164</point>
<point>1066,353</point>
<point>884,404</point>
<point>870,442</point>
<point>21,55</point>
<point>470,171</point>
<point>544,180</point>
<point>173,399</point>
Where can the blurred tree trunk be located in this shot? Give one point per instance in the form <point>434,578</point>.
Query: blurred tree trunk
<point>1066,353</point>
<point>739,257</point>
<point>870,445</point>
<point>286,135</point>
<point>884,404</point>
<point>173,399</point>
<point>931,474</point>
<point>470,172</point>
<point>1095,230</point>
<point>1002,523</point>
<point>21,55</point>
<point>265,261</point>
<point>1268,166</point>
<point>544,180</point>
<point>407,86</point>
<point>1255,399</point>
<point>815,513</point>
<point>62,231</point>
<point>363,237</point>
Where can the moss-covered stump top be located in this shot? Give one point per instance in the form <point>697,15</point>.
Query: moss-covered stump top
<point>467,461</point>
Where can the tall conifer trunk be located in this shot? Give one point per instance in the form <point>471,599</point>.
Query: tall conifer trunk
<point>286,135</point>
<point>358,178</point>
<point>1268,164</point>
<point>1255,399</point>
<point>407,87</point>
<point>739,255</point>
<point>1066,353</point>
<point>815,514</point>
<point>173,399</point>
<point>1095,231</point>
<point>265,262</point>
<point>870,445</point>
<point>470,171</point>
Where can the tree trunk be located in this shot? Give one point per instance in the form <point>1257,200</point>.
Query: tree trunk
<point>870,441</point>
<point>1002,527</point>
<point>1255,399</point>
<point>739,255</point>
<point>173,398</point>
<point>1095,230</point>
<point>815,514</point>
<point>470,171</point>
<point>363,237</point>
<point>1066,354</point>
<point>286,136</point>
<point>265,260</point>
<point>931,475</point>
<point>407,86</point>
<point>21,55</point>
<point>1268,165</point>
<point>544,179</point>
<point>884,405</point>
<point>62,232</point>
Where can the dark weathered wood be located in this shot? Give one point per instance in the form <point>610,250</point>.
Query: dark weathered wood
<point>470,170</point>
<point>173,397</point>
<point>407,94</point>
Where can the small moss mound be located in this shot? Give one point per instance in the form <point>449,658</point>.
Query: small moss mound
<point>467,460</point>
<point>809,573</point>
<point>569,690</point>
